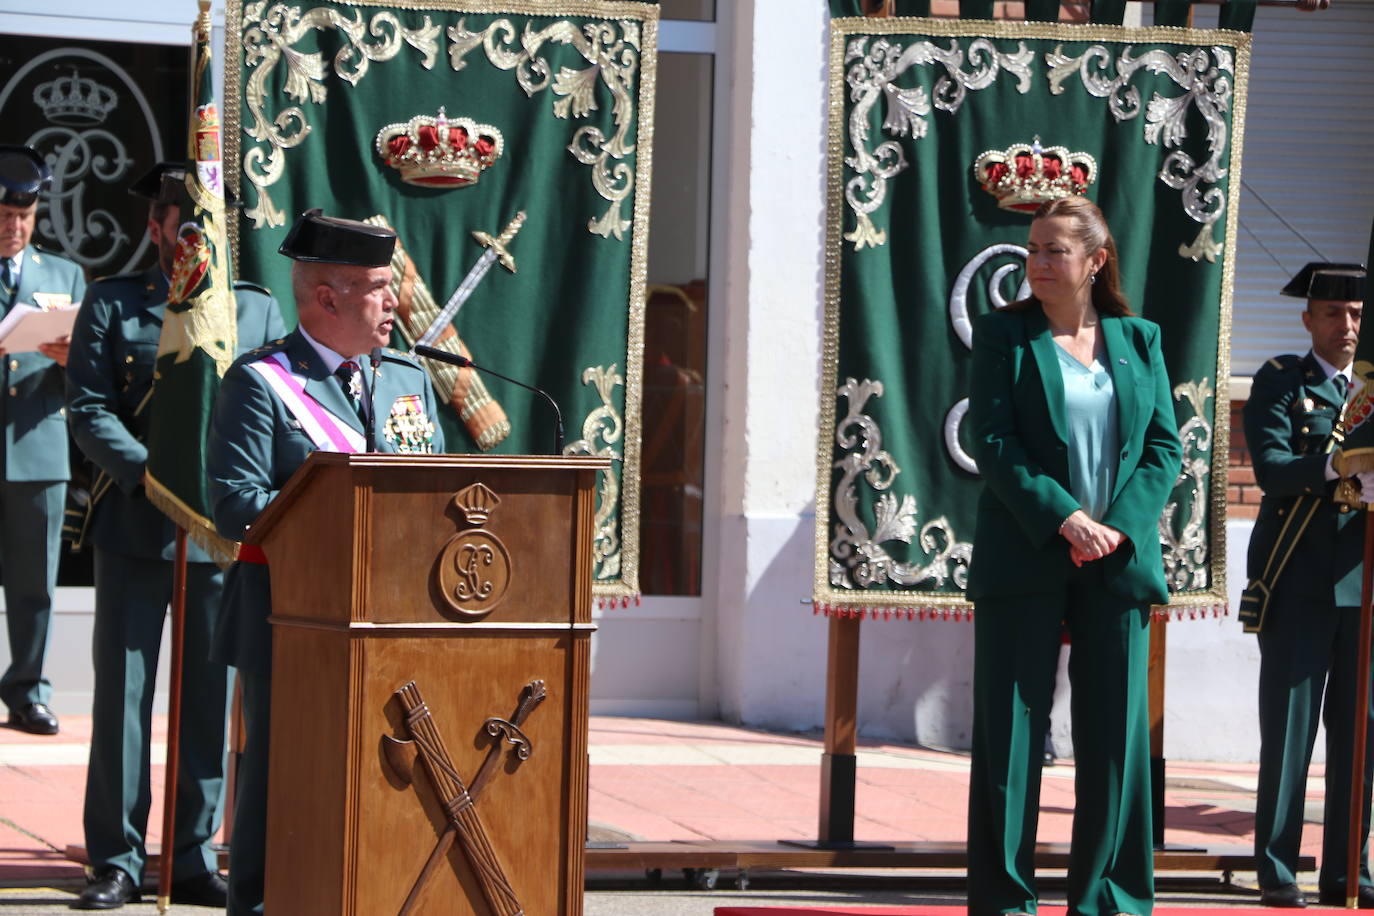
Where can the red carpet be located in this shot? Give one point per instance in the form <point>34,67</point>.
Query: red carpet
<point>950,910</point>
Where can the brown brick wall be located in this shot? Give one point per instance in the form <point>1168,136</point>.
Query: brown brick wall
<point>1010,9</point>
<point>1242,494</point>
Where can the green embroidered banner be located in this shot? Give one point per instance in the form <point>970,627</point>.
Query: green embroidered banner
<point>199,326</point>
<point>1358,446</point>
<point>943,136</point>
<point>445,119</point>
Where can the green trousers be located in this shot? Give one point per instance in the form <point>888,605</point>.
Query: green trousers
<point>131,599</point>
<point>1016,646</point>
<point>1307,650</point>
<point>30,544</point>
<point>248,850</point>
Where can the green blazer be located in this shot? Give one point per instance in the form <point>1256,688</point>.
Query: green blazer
<point>35,425</point>
<point>110,373</point>
<point>1020,442</point>
<point>1288,420</point>
<point>255,447</point>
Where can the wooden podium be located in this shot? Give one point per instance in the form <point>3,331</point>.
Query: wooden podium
<point>418,602</point>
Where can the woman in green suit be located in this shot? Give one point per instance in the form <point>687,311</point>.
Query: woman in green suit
<point>1076,441</point>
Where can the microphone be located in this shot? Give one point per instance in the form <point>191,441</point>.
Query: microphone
<point>375,358</point>
<point>462,362</point>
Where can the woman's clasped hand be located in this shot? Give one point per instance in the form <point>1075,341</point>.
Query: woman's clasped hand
<point>1089,540</point>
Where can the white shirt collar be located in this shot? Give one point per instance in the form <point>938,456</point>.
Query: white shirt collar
<point>332,360</point>
<point>1331,370</point>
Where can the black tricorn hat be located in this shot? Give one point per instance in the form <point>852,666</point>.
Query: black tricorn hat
<point>332,240</point>
<point>161,184</point>
<point>23,173</point>
<point>1328,281</point>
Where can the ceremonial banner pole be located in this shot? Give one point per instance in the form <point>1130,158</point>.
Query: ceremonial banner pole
<point>1356,839</point>
<point>169,794</point>
<point>1357,454</point>
<point>199,334</point>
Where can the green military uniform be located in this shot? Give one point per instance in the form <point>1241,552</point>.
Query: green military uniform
<point>1310,630</point>
<point>256,444</point>
<point>1026,587</point>
<point>35,481</point>
<point>110,375</point>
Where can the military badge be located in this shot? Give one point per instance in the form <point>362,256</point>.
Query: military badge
<point>192,263</point>
<point>408,427</point>
<point>49,301</point>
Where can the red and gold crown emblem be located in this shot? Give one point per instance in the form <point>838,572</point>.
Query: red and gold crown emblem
<point>1025,175</point>
<point>436,152</point>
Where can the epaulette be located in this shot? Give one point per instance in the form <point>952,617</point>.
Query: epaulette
<point>1285,362</point>
<point>270,347</point>
<point>400,356</point>
<point>114,278</point>
<point>52,251</point>
<point>244,284</point>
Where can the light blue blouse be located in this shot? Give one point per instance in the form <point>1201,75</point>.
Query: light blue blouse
<point>1090,407</point>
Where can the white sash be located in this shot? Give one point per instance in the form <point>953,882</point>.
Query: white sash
<point>328,432</point>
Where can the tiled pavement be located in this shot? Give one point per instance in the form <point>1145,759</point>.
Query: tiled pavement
<point>663,780</point>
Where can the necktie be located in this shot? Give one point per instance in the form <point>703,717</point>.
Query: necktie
<point>1342,385</point>
<point>7,284</point>
<point>350,378</point>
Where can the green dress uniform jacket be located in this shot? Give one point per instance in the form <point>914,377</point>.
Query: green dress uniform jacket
<point>1027,590</point>
<point>109,380</point>
<point>34,489</point>
<point>1310,631</point>
<point>256,444</point>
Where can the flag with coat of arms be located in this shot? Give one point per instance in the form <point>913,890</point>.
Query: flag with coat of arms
<point>199,325</point>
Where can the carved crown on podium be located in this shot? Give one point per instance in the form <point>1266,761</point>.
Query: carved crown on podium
<point>436,151</point>
<point>1025,175</point>
<point>75,100</point>
<point>478,502</point>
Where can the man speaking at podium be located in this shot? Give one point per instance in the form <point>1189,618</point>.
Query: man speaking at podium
<point>330,385</point>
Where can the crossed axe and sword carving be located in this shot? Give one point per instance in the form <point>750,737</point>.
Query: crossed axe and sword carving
<point>456,798</point>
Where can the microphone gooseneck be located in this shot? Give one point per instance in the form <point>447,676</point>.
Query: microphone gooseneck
<point>462,362</point>
<point>375,358</point>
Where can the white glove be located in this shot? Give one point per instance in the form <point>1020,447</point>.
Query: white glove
<point>1331,472</point>
<point>1366,479</point>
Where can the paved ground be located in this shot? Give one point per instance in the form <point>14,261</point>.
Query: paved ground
<point>659,780</point>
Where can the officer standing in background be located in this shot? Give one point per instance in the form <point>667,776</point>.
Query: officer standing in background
<point>1304,592</point>
<point>110,378</point>
<point>36,469</point>
<point>263,430</point>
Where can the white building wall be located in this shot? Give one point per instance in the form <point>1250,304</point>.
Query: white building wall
<point>770,651</point>
<point>915,677</point>
<point>753,652</point>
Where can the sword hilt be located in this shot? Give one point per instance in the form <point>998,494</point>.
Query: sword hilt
<point>498,244</point>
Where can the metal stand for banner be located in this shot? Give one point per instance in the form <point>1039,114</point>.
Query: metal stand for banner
<point>835,846</point>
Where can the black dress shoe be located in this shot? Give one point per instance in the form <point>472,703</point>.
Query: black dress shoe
<point>111,889</point>
<point>205,889</point>
<point>1365,896</point>
<point>1288,896</point>
<point>36,719</point>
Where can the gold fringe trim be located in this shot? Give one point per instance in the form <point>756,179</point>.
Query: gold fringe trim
<point>964,612</point>
<point>198,528</point>
<point>936,605</point>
